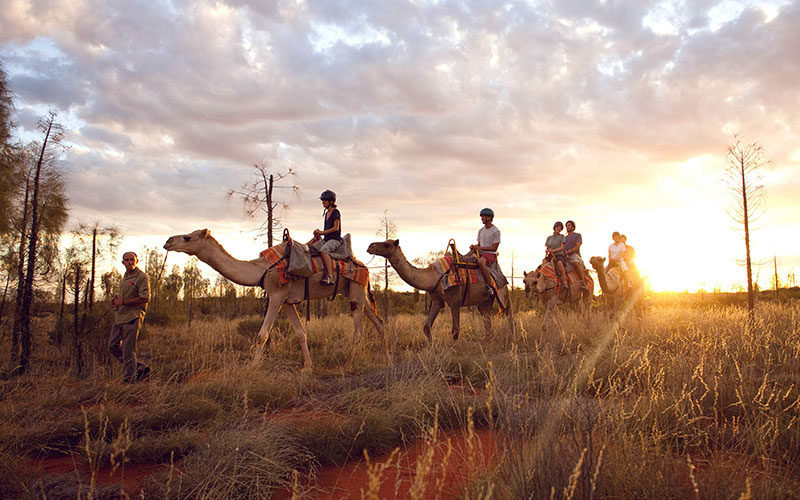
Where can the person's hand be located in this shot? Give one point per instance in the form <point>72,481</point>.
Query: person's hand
<point>473,247</point>
<point>317,232</point>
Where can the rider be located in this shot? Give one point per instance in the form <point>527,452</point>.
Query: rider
<point>554,248</point>
<point>572,248</point>
<point>329,238</point>
<point>616,256</point>
<point>488,241</point>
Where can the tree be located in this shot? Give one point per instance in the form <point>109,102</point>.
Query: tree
<point>257,198</point>
<point>743,164</point>
<point>7,152</point>
<point>102,242</point>
<point>52,133</point>
<point>194,285</point>
<point>387,228</point>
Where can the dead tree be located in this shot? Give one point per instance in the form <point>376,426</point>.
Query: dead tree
<point>743,177</point>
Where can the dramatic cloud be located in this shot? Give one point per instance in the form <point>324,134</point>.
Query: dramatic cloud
<point>614,113</point>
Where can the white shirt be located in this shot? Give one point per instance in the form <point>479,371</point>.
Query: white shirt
<point>488,237</point>
<point>616,251</point>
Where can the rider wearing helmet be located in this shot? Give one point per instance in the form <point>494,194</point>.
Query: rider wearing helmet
<point>488,241</point>
<point>554,249</point>
<point>329,238</point>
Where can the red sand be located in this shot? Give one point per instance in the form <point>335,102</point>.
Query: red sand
<point>348,482</point>
<point>132,476</point>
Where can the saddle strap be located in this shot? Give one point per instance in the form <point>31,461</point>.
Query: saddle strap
<point>336,280</point>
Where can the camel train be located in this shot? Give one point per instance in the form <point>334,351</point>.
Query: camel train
<point>474,279</point>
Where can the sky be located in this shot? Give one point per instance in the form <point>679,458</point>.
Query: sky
<point>614,114</point>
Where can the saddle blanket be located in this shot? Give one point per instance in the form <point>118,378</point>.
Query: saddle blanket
<point>466,275</point>
<point>352,269</point>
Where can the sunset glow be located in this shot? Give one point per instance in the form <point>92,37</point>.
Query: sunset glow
<point>616,115</point>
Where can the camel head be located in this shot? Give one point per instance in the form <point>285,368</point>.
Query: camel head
<point>384,248</point>
<point>187,243</point>
<point>530,280</point>
<point>598,262</point>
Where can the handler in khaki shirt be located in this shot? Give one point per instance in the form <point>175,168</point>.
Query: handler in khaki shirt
<point>130,306</point>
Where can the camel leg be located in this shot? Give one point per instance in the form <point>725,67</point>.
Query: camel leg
<point>291,314</point>
<point>486,312</point>
<point>505,296</point>
<point>266,326</point>
<point>550,312</point>
<point>380,327</point>
<point>436,305</point>
<point>455,312</point>
<point>358,327</point>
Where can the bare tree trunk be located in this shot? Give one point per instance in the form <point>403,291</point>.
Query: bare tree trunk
<point>75,324</point>
<point>775,269</point>
<point>269,211</point>
<point>750,291</point>
<point>94,260</point>
<point>27,292</point>
<point>60,330</point>
<point>5,294</point>
<point>17,328</point>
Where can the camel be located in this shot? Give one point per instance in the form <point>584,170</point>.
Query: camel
<point>616,292</point>
<point>256,272</point>
<point>542,283</point>
<point>430,280</point>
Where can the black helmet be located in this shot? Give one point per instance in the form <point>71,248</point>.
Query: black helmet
<point>328,195</point>
<point>487,211</point>
<point>557,224</point>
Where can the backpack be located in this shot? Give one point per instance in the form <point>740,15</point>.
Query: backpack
<point>299,260</point>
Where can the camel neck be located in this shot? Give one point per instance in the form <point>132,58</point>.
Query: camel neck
<point>422,279</point>
<point>241,272</point>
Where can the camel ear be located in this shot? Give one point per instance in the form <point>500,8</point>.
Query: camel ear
<point>205,233</point>
<point>524,274</point>
<point>397,243</point>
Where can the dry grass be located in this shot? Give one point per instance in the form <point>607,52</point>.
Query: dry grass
<point>685,401</point>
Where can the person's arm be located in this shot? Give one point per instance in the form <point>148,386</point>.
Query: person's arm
<point>575,248</point>
<point>333,229</point>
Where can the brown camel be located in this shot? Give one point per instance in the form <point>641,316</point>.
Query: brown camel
<point>430,280</point>
<point>542,284</point>
<point>256,272</point>
<point>616,292</point>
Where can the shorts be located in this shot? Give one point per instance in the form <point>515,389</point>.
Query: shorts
<point>560,258</point>
<point>576,259</point>
<point>323,246</point>
<point>489,257</point>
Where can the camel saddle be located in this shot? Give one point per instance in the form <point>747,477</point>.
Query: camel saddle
<point>345,265</point>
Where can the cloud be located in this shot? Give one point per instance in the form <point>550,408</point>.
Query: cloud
<point>430,109</point>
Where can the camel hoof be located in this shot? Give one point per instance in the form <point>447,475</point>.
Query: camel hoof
<point>306,371</point>
<point>427,332</point>
<point>455,335</point>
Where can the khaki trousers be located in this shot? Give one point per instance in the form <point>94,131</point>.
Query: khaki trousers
<point>122,345</point>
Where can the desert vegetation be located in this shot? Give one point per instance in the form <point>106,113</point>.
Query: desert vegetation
<point>688,400</point>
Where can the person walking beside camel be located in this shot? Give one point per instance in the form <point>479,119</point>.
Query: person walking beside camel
<point>572,249</point>
<point>554,250</point>
<point>486,249</point>
<point>130,306</point>
<point>329,238</point>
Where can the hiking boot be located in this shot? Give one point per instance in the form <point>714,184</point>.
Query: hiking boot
<point>326,280</point>
<point>583,286</point>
